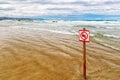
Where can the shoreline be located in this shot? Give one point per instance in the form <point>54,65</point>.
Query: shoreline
<point>41,55</point>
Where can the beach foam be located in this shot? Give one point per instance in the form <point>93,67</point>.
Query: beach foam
<point>45,51</point>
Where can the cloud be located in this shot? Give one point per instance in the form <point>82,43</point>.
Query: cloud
<point>3,2</point>
<point>19,8</point>
<point>59,9</point>
<point>6,9</point>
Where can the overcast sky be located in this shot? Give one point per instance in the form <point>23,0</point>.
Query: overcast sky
<point>22,8</point>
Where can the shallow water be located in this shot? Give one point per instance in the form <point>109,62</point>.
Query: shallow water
<point>31,54</point>
<point>106,28</point>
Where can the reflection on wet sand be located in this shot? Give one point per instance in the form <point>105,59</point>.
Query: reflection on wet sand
<point>40,55</point>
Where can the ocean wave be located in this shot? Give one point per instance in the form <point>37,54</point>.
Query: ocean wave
<point>62,32</point>
<point>113,36</point>
<point>70,32</point>
<point>105,35</point>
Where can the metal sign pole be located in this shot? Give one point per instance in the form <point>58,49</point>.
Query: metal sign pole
<point>84,59</point>
<point>84,36</point>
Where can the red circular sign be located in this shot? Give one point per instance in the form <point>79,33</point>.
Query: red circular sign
<point>84,35</point>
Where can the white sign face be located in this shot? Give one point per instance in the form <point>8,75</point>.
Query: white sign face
<point>84,35</point>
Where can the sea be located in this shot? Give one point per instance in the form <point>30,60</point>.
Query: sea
<point>104,28</point>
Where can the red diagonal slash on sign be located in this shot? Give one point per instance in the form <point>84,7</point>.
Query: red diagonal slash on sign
<point>84,35</point>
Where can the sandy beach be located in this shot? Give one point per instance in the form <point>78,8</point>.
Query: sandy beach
<point>42,55</point>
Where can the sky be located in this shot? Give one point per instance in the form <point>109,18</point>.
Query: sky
<point>62,9</point>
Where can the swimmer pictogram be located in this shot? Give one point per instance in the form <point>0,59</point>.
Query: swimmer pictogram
<point>84,35</point>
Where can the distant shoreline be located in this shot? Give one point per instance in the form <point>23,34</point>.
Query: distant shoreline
<point>31,19</point>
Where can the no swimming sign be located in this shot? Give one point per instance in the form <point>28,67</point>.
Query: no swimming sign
<point>84,35</point>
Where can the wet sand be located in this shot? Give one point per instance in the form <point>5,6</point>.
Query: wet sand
<point>40,55</point>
